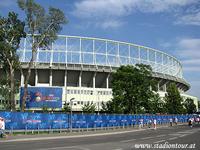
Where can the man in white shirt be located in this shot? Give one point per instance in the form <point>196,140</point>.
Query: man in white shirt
<point>2,127</point>
<point>154,124</point>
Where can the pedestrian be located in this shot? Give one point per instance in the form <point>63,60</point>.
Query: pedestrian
<point>2,128</point>
<point>190,122</point>
<point>170,121</point>
<point>140,123</point>
<point>176,120</point>
<point>154,124</point>
<point>149,123</point>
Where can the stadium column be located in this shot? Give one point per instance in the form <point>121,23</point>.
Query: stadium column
<point>80,78</point>
<point>107,81</point>
<point>36,77</point>
<point>50,78</point>
<point>165,87</point>
<point>65,79</point>
<point>22,79</point>
<point>65,85</point>
<point>94,80</point>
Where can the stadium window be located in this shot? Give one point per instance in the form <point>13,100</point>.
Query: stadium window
<point>81,102</point>
<point>78,102</point>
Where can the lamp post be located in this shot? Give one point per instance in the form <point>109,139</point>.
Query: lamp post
<point>71,113</point>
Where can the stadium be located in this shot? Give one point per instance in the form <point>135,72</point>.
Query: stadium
<point>82,68</point>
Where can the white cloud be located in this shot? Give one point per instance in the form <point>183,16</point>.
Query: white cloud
<point>109,12</point>
<point>189,19</point>
<point>188,50</point>
<point>189,47</point>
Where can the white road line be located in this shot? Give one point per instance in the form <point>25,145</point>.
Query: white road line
<point>183,135</point>
<point>173,138</point>
<point>159,141</point>
<point>175,134</point>
<point>126,141</point>
<point>162,135</point>
<point>146,138</point>
<point>64,148</point>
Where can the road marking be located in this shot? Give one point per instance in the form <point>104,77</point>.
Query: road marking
<point>175,134</point>
<point>146,138</point>
<point>159,141</point>
<point>183,135</point>
<point>65,147</point>
<point>162,135</point>
<point>126,141</point>
<point>173,138</point>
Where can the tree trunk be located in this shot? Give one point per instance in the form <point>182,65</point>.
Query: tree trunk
<point>27,77</point>
<point>12,89</point>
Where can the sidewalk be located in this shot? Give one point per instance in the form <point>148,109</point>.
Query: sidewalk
<point>63,135</point>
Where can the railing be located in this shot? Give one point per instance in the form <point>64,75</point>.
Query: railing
<point>101,52</point>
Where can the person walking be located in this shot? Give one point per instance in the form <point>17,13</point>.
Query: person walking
<point>154,124</point>
<point>149,123</point>
<point>176,120</point>
<point>2,128</point>
<point>170,121</point>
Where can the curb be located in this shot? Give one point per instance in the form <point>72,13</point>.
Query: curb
<point>77,136</point>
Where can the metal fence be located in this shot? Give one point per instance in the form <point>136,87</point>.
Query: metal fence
<point>50,122</point>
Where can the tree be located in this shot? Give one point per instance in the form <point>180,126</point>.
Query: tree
<point>190,106</point>
<point>88,108</point>
<point>11,32</point>
<point>131,87</point>
<point>157,105</point>
<point>173,100</point>
<point>43,29</point>
<point>66,107</point>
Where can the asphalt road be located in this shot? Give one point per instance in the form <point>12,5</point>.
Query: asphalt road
<point>166,136</point>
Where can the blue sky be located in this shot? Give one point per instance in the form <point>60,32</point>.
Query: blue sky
<point>172,26</point>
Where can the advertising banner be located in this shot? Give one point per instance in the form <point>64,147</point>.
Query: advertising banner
<point>27,120</point>
<point>39,97</point>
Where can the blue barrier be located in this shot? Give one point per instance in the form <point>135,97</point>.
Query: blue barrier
<point>26,120</point>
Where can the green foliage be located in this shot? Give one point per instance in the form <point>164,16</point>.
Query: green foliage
<point>157,105</point>
<point>88,108</point>
<point>66,108</point>
<point>131,89</point>
<point>190,106</point>
<point>173,100</point>
<point>11,32</point>
<point>43,28</point>
<point>5,92</point>
<point>45,108</point>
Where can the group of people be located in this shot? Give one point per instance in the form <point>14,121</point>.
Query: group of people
<point>175,120</point>
<point>149,122</point>
<point>2,127</point>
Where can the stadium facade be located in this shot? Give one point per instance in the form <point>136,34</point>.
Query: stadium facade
<point>82,67</point>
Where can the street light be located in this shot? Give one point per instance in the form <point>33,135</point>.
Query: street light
<point>71,113</point>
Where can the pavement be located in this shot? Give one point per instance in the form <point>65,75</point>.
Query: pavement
<point>126,139</point>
